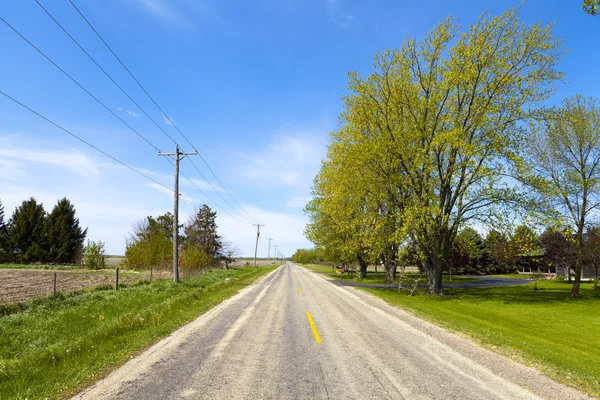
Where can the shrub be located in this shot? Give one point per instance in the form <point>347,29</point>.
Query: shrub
<point>93,255</point>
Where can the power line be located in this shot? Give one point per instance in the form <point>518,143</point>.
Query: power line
<point>220,223</point>
<point>106,154</point>
<point>78,84</point>
<point>105,73</point>
<point>84,141</point>
<point>106,107</point>
<point>156,104</point>
<point>132,100</point>
<point>215,203</point>
<point>217,192</point>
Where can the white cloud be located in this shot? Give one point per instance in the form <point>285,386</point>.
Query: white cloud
<point>168,121</point>
<point>71,160</point>
<point>161,188</point>
<point>132,113</point>
<point>293,159</point>
<point>297,201</point>
<point>337,13</point>
<point>200,184</point>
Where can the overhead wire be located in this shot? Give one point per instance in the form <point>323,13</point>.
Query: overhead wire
<point>159,108</point>
<point>84,141</point>
<point>135,103</point>
<point>78,84</point>
<point>105,153</point>
<point>101,103</point>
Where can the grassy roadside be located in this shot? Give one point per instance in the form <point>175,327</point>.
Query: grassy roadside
<point>545,328</point>
<point>377,277</point>
<point>56,347</point>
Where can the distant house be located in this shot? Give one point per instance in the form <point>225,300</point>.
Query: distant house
<point>586,272</point>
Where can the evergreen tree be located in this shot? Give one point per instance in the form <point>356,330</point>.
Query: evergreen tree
<point>4,247</point>
<point>64,234</point>
<point>201,231</point>
<point>27,232</point>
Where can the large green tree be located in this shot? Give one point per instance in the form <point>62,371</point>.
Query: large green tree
<point>27,233</point>
<point>564,150</point>
<point>65,236</point>
<point>446,114</point>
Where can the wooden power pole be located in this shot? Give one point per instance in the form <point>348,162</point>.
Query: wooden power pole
<point>177,156</point>
<point>269,253</point>
<point>257,236</point>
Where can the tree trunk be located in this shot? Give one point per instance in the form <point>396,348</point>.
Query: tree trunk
<point>433,268</point>
<point>577,283</point>
<point>389,273</point>
<point>596,280</point>
<point>363,266</point>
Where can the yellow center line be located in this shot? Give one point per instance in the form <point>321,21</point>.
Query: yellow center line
<point>312,326</point>
<point>299,290</point>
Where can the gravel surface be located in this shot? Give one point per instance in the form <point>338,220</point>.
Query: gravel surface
<point>259,345</point>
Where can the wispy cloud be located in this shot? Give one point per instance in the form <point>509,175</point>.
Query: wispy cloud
<point>293,159</point>
<point>165,11</point>
<point>71,160</point>
<point>184,15</point>
<point>169,120</point>
<point>297,201</point>
<point>338,13</point>
<point>132,113</point>
<point>161,188</point>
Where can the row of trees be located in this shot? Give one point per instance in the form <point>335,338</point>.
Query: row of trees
<point>524,249</point>
<point>33,235</point>
<point>150,244</point>
<point>449,132</point>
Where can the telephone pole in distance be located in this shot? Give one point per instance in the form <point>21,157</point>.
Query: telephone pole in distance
<point>269,253</point>
<point>257,236</point>
<point>177,156</point>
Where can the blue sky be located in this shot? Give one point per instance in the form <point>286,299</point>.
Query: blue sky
<point>255,85</point>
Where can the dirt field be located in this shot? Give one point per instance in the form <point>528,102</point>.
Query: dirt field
<point>24,284</point>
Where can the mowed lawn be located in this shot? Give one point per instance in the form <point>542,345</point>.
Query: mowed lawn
<point>547,328</point>
<point>52,347</point>
<point>378,277</point>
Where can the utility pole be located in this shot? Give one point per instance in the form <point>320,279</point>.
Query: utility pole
<point>178,155</point>
<point>257,236</point>
<point>275,252</point>
<point>269,253</point>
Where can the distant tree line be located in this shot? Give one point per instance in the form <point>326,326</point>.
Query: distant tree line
<point>33,235</point>
<point>150,243</point>
<point>309,256</point>
<point>499,252</point>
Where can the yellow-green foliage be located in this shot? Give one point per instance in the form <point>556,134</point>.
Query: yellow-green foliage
<point>425,140</point>
<point>591,6</point>
<point>154,251</point>
<point>194,259</point>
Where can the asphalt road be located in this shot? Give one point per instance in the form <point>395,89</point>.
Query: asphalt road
<point>294,335</point>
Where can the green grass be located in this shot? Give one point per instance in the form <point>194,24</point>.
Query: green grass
<point>511,276</point>
<point>546,328</point>
<point>377,277</point>
<point>58,346</point>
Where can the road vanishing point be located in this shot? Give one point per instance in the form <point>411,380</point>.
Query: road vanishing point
<point>294,335</point>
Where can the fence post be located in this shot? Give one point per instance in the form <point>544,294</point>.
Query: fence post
<point>117,278</point>
<point>54,284</point>
<point>150,273</point>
